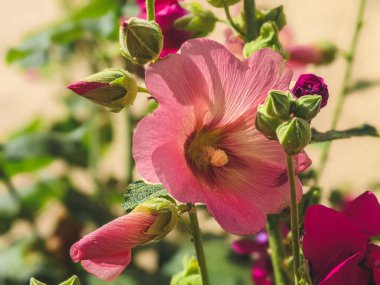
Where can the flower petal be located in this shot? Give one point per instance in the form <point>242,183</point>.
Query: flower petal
<point>113,238</point>
<point>264,71</point>
<point>329,239</point>
<point>364,212</point>
<point>348,272</point>
<point>108,268</point>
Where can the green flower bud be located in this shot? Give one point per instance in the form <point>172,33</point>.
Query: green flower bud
<point>328,51</point>
<point>294,135</point>
<point>308,106</point>
<point>267,124</point>
<point>112,88</point>
<point>275,15</point>
<point>220,3</point>
<point>141,41</point>
<point>167,216</point>
<point>278,104</point>
<point>73,280</point>
<point>34,281</point>
<point>199,22</point>
<point>268,39</point>
<point>191,275</point>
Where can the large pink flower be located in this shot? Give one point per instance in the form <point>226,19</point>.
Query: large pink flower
<point>336,244</point>
<point>106,252</point>
<point>167,12</point>
<point>201,142</point>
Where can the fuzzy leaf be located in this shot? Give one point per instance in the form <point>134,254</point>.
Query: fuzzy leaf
<point>139,192</point>
<point>361,131</point>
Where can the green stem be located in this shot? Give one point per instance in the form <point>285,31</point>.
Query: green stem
<point>250,19</point>
<point>142,89</point>
<point>294,219</point>
<point>195,230</point>
<point>94,144</point>
<point>230,20</point>
<point>150,11</point>
<point>277,251</point>
<point>129,163</point>
<point>345,86</point>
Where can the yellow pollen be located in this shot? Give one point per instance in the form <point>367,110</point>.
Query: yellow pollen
<point>215,157</point>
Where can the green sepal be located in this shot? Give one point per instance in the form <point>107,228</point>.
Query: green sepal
<point>268,39</point>
<point>220,3</point>
<point>34,281</point>
<point>308,106</point>
<point>275,15</point>
<point>294,135</point>
<point>191,274</point>
<point>278,104</point>
<point>267,124</point>
<point>73,280</point>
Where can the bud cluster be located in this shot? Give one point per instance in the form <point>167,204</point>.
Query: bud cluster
<point>287,119</point>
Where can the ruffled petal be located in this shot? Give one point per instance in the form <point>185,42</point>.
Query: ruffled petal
<point>113,238</point>
<point>264,71</point>
<point>108,268</point>
<point>364,212</point>
<point>329,239</point>
<point>348,272</point>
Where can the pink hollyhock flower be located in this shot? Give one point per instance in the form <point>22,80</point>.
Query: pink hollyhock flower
<point>106,252</point>
<point>336,244</point>
<point>167,12</point>
<point>201,143</point>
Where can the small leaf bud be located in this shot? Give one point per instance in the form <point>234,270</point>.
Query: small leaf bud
<point>141,41</point>
<point>294,135</point>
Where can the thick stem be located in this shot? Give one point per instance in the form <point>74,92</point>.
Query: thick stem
<point>294,219</point>
<point>277,251</point>
<point>345,86</point>
<point>231,21</point>
<point>150,12</point>
<point>94,145</point>
<point>129,163</point>
<point>250,19</point>
<point>195,230</point>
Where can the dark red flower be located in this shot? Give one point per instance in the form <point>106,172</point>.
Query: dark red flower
<point>310,84</point>
<point>336,244</point>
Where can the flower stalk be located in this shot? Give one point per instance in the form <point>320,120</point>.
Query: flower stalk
<point>197,237</point>
<point>230,20</point>
<point>344,90</point>
<point>294,220</point>
<point>277,251</point>
<point>150,11</point>
<point>250,19</point>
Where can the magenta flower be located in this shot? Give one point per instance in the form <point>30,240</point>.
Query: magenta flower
<point>167,12</point>
<point>310,84</point>
<point>201,142</point>
<point>336,244</point>
<point>106,252</point>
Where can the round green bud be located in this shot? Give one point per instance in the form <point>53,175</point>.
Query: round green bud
<point>278,104</point>
<point>141,41</point>
<point>308,106</point>
<point>267,124</point>
<point>294,135</point>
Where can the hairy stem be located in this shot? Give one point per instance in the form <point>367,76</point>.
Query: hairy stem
<point>129,162</point>
<point>196,232</point>
<point>294,219</point>
<point>345,86</point>
<point>150,11</point>
<point>277,251</point>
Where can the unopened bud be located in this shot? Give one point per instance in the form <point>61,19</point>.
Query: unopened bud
<point>191,275</point>
<point>268,39</point>
<point>278,103</point>
<point>112,88</point>
<point>34,281</point>
<point>167,216</point>
<point>73,280</point>
<point>275,15</point>
<point>141,41</point>
<point>221,3</point>
<point>267,124</point>
<point>294,135</point>
<point>308,106</point>
<point>199,22</point>
<point>311,84</point>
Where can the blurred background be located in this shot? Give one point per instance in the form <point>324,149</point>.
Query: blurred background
<point>55,187</point>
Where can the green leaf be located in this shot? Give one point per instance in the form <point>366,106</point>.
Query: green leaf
<point>361,85</point>
<point>361,131</point>
<point>73,280</point>
<point>34,281</point>
<point>138,192</point>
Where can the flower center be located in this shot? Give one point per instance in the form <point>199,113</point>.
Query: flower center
<point>202,150</point>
